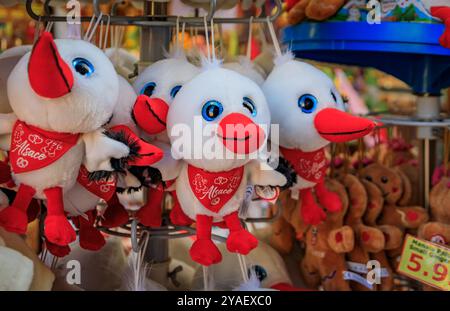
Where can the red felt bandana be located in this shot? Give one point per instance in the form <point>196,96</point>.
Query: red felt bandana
<point>310,166</point>
<point>214,190</point>
<point>33,148</point>
<point>103,188</point>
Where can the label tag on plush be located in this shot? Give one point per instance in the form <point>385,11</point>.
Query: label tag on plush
<point>267,193</point>
<point>214,190</point>
<point>362,269</point>
<point>310,166</point>
<point>103,188</point>
<point>33,148</point>
<point>425,262</point>
<point>351,276</point>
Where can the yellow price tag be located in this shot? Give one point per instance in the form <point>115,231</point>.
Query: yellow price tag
<point>426,262</point>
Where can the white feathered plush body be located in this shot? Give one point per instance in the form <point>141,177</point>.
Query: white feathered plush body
<point>61,94</point>
<point>232,111</point>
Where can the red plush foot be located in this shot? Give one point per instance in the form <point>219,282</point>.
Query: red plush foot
<point>90,238</point>
<point>205,252</point>
<point>14,220</point>
<point>56,250</point>
<point>58,230</point>
<point>443,13</point>
<point>114,216</point>
<point>150,214</point>
<point>312,214</point>
<point>331,201</point>
<point>241,242</point>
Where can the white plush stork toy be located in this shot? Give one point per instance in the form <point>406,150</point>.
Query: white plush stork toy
<point>157,87</point>
<point>309,111</point>
<point>232,111</point>
<point>61,94</point>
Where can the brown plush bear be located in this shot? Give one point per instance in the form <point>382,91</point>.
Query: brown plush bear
<point>393,236</point>
<point>367,239</point>
<point>325,244</point>
<point>397,191</point>
<point>318,10</point>
<point>438,230</point>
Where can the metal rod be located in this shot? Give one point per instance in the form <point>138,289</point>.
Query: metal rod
<point>159,20</point>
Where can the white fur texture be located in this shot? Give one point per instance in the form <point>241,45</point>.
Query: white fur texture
<point>283,88</point>
<point>246,68</point>
<point>16,270</point>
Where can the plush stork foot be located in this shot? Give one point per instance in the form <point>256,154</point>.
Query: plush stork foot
<point>90,238</point>
<point>178,217</point>
<point>328,199</point>
<point>58,230</point>
<point>241,242</point>
<point>205,252</point>
<point>443,13</point>
<point>150,214</point>
<point>14,220</point>
<point>312,214</point>
<point>57,250</point>
<point>115,214</point>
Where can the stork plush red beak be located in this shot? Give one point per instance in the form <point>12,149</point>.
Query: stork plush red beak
<point>240,134</point>
<point>141,152</point>
<point>337,126</point>
<point>49,75</point>
<point>150,114</point>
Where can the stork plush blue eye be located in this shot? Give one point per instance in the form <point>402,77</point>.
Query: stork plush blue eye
<point>83,66</point>
<point>307,103</point>
<point>148,89</point>
<point>174,91</point>
<point>211,110</point>
<point>249,105</point>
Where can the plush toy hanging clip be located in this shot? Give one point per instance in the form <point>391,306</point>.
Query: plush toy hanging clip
<point>309,112</point>
<point>231,110</point>
<point>61,94</point>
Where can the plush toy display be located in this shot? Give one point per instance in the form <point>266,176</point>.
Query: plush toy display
<point>210,189</point>
<point>61,94</point>
<point>157,87</point>
<point>317,115</point>
<point>395,187</point>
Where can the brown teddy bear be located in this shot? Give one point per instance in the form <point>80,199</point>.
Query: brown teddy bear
<point>367,239</point>
<point>397,191</point>
<point>393,236</point>
<point>318,10</point>
<point>325,244</point>
<point>438,230</point>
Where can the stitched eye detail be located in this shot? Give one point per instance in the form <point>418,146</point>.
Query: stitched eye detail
<point>211,110</point>
<point>148,89</point>
<point>249,105</point>
<point>83,66</point>
<point>307,103</point>
<point>174,91</point>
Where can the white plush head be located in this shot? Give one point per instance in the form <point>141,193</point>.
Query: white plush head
<point>216,100</point>
<point>157,87</point>
<point>308,108</point>
<point>63,86</point>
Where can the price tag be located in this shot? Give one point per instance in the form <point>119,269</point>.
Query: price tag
<point>425,262</point>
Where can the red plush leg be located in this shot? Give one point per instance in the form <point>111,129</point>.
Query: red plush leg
<point>204,251</point>
<point>115,215</point>
<point>14,218</point>
<point>239,240</point>
<point>443,13</point>
<point>328,199</point>
<point>89,236</point>
<point>177,216</point>
<point>57,228</point>
<point>150,214</point>
<point>56,250</point>
<point>311,213</point>
<point>33,210</point>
